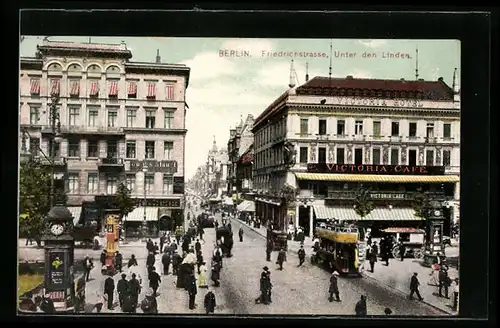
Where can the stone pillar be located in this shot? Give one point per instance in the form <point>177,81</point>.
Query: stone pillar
<point>297,215</point>
<point>311,225</point>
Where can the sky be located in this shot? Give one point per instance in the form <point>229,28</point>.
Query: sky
<point>225,89</point>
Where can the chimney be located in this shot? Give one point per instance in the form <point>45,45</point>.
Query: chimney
<point>158,58</point>
<point>402,79</point>
<point>349,77</point>
<point>307,71</point>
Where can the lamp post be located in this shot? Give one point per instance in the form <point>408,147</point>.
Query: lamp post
<point>55,125</point>
<point>144,222</point>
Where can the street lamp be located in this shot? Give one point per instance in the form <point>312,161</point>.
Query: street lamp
<point>144,223</point>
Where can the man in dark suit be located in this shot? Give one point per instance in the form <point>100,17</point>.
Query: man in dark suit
<point>414,283</point>
<point>109,290</point>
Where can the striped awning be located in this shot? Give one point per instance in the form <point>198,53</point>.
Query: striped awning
<point>378,214</point>
<point>246,206</point>
<point>137,214</point>
<point>76,211</point>
<point>377,178</point>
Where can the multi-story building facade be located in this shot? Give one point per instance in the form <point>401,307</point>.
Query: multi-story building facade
<point>394,136</point>
<point>216,171</point>
<point>240,141</point>
<point>121,121</point>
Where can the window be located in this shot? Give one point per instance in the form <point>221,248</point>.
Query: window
<point>169,91</point>
<point>73,183</point>
<point>304,126</point>
<point>149,182</point>
<point>111,184</point>
<point>340,127</point>
<point>74,88</point>
<point>395,129</point>
<point>112,149</point>
<point>446,130</point>
<point>412,157</point>
<point>34,147</point>
<point>151,91</point>
<point>34,115</point>
<point>93,149</point>
<point>430,130</point>
<point>413,129</point>
<point>130,149</point>
<point>321,155</point>
<point>73,148</point>
<point>169,120</point>
<point>394,156</point>
<point>429,157</point>
<point>57,148</point>
<point>358,156</point>
<point>322,127</point>
<point>303,154</point>
<point>131,114</point>
<point>113,89</point>
<point>132,90</point>
<point>35,87</point>
<point>376,128</point>
<point>358,127</point>
<point>376,156</point>
<point>93,116</point>
<point>74,112</point>
<point>168,147</point>
<point>168,184</point>
<point>150,149</point>
<point>92,183</point>
<point>112,118</point>
<point>150,119</point>
<point>446,158</point>
<point>130,182</point>
<point>94,88</point>
<point>55,86</point>
<point>340,155</point>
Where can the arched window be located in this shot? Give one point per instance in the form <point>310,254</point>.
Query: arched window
<point>74,68</point>
<point>113,70</point>
<point>54,67</point>
<point>94,69</point>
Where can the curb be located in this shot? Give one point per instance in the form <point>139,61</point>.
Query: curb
<point>395,290</point>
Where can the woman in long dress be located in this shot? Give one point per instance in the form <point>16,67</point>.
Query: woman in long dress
<point>202,277</point>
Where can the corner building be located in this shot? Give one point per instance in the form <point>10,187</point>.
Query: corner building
<point>117,117</point>
<point>393,136</point>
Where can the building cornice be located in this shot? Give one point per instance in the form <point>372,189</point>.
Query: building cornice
<point>156,131</point>
<point>159,68</point>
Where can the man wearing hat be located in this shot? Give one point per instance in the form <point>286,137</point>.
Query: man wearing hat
<point>334,288</point>
<point>209,302</point>
<point>302,255</point>
<point>122,289</point>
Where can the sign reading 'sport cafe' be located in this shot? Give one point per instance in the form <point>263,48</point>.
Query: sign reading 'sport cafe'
<point>374,169</point>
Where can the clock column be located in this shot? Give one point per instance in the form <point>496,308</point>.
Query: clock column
<point>434,237</point>
<point>59,257</point>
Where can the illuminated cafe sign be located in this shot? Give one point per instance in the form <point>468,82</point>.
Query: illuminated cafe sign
<point>374,169</point>
<point>152,166</point>
<point>392,196</point>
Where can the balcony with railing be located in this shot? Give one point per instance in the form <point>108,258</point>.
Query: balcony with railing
<point>57,161</point>
<point>83,129</point>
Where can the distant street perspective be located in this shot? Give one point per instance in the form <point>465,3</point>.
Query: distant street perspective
<point>149,186</point>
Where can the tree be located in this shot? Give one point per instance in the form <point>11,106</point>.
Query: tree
<point>34,197</point>
<point>124,202</point>
<point>363,205</point>
<point>421,204</point>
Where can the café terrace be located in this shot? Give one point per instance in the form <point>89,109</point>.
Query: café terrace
<point>390,188</point>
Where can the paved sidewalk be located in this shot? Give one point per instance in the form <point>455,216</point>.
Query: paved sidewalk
<point>397,277</point>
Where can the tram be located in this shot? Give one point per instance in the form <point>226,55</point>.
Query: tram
<point>339,248</point>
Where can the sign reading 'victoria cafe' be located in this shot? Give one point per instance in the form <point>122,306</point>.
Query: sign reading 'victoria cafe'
<point>374,169</point>
<point>153,166</point>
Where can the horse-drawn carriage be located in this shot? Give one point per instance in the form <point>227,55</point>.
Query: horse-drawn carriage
<point>412,239</point>
<point>224,237</point>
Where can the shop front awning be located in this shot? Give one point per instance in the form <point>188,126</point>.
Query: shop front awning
<point>377,178</point>
<point>246,206</point>
<point>76,211</point>
<point>268,201</point>
<point>378,214</point>
<point>137,215</point>
<point>228,201</point>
